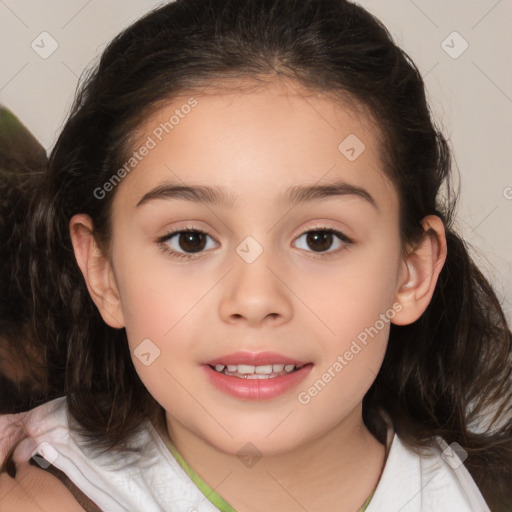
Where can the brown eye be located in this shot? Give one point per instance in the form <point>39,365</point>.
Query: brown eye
<point>191,241</point>
<point>185,243</point>
<point>319,240</point>
<point>322,240</point>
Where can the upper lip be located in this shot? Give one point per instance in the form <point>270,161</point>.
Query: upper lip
<point>255,359</point>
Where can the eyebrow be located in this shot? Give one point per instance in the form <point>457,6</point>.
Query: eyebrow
<point>218,196</point>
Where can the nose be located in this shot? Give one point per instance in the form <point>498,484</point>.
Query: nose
<point>256,293</point>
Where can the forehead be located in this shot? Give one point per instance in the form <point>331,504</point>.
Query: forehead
<point>255,140</point>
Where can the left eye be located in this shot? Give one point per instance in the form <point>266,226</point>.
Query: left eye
<point>321,240</point>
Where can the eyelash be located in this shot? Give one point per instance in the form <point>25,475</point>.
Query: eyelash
<point>162,242</point>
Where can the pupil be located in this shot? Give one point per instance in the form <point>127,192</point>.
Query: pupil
<point>192,242</point>
<point>325,239</point>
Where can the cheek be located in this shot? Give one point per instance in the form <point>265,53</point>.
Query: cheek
<point>164,307</point>
<point>157,296</point>
<point>355,303</point>
<point>357,317</point>
<point>350,295</point>
<point>338,388</point>
<point>161,311</point>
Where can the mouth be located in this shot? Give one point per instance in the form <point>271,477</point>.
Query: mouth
<point>256,376</point>
<point>261,372</point>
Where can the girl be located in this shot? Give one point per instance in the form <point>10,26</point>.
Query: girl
<point>250,280</point>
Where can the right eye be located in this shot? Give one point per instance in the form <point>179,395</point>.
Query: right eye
<point>184,243</point>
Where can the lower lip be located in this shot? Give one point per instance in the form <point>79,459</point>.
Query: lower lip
<point>256,389</point>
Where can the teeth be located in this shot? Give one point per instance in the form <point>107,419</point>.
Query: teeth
<point>267,369</point>
<point>245,368</point>
<point>255,372</point>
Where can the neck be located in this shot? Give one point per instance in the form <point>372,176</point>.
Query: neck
<point>336,471</point>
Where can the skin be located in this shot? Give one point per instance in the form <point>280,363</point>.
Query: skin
<point>35,490</point>
<point>315,456</point>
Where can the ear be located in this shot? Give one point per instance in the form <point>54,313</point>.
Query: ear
<point>97,271</point>
<point>419,272</point>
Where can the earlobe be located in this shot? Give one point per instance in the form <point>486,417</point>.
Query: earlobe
<point>420,271</point>
<point>97,270</point>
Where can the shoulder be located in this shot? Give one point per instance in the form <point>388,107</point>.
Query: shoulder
<point>18,432</point>
<point>36,490</point>
<point>30,488</point>
<point>426,480</point>
<point>144,476</point>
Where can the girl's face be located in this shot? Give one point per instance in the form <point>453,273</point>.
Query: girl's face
<point>269,274</point>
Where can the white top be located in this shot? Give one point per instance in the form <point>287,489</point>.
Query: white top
<point>434,480</point>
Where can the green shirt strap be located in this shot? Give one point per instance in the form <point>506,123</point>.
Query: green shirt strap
<point>215,498</point>
<point>208,492</point>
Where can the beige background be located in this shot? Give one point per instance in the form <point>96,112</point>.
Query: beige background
<point>471,95</point>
